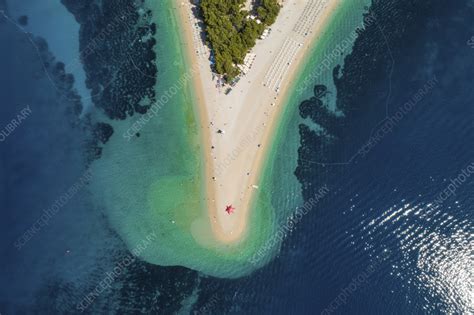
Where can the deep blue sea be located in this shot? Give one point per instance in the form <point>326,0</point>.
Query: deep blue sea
<point>394,235</point>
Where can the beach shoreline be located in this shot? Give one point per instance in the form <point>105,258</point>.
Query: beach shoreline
<point>238,179</point>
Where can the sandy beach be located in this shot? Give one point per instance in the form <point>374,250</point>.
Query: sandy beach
<point>237,127</point>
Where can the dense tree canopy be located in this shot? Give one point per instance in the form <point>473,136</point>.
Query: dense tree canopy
<point>231,33</point>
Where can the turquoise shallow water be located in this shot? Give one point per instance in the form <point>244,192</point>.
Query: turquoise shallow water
<point>283,159</point>
<point>162,190</point>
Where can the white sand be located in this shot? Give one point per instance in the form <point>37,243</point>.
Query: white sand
<point>247,115</point>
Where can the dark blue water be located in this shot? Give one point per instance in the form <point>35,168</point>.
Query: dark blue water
<point>41,158</point>
<point>380,244</point>
<point>389,238</point>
